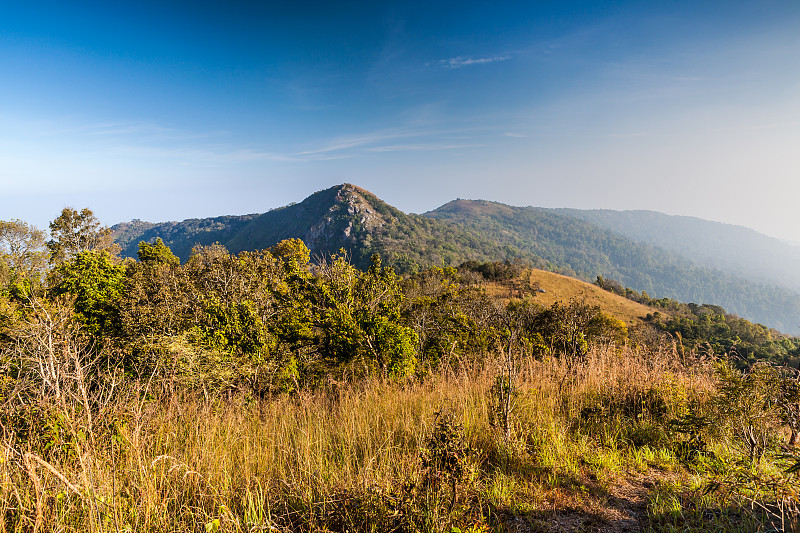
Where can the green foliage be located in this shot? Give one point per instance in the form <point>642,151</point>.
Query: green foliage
<point>157,252</point>
<point>293,252</point>
<point>359,317</point>
<point>771,497</point>
<point>234,327</point>
<point>158,299</point>
<point>565,328</point>
<point>748,401</point>
<point>606,328</point>
<point>96,280</point>
<point>495,270</point>
<point>181,237</point>
<point>271,308</point>
<point>23,259</point>
<point>73,232</point>
<point>633,415</point>
<point>393,345</point>
<point>709,327</point>
<point>451,318</point>
<point>691,429</point>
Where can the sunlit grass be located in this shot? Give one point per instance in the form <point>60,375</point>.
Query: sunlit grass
<point>350,457</point>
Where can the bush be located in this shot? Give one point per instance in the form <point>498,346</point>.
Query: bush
<point>748,403</point>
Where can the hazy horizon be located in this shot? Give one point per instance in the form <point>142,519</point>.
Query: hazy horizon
<point>174,110</point>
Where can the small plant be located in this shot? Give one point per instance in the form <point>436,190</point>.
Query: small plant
<point>788,399</point>
<point>749,402</point>
<point>504,391</point>
<point>771,497</point>
<point>444,458</point>
<point>502,403</point>
<point>691,427</point>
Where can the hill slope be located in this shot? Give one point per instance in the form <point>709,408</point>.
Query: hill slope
<point>348,217</point>
<point>586,250</point>
<point>560,288</point>
<point>344,216</point>
<point>735,249</point>
<point>548,288</point>
<point>181,237</point>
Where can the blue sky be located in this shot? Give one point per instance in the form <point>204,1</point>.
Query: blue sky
<point>170,110</point>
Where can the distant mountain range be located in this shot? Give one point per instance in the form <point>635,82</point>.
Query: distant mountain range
<point>684,258</point>
<point>714,244</point>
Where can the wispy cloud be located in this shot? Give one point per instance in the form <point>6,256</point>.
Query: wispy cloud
<point>419,147</point>
<point>153,144</point>
<point>202,156</point>
<point>72,128</point>
<point>355,141</point>
<point>515,135</point>
<point>381,141</point>
<point>461,62</point>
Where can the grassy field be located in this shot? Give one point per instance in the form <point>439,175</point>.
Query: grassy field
<point>564,288</point>
<point>560,288</point>
<point>588,446</point>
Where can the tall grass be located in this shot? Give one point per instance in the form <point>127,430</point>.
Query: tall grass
<point>349,457</point>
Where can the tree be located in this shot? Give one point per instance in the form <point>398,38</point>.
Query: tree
<point>23,257</point>
<point>96,280</point>
<point>356,317</point>
<point>565,327</point>
<point>157,300</point>
<point>73,232</point>
<point>235,301</point>
<point>157,252</point>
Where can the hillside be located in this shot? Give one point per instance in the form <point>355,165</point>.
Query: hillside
<point>560,288</point>
<point>350,218</point>
<point>735,249</point>
<point>342,217</point>
<point>585,250</point>
<point>181,237</point>
<point>548,288</point>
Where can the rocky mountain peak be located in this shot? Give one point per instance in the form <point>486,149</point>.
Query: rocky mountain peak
<point>352,206</point>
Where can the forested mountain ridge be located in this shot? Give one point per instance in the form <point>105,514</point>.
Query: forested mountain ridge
<point>342,217</point>
<point>585,250</point>
<point>348,217</point>
<point>180,236</point>
<point>735,249</point>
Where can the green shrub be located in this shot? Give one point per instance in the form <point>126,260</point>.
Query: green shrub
<point>747,402</point>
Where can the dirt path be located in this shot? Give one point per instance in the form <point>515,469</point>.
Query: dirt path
<point>622,508</point>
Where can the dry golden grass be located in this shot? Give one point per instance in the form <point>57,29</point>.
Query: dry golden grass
<point>560,288</point>
<point>346,458</point>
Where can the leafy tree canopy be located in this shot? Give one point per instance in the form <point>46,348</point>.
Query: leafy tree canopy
<point>73,232</point>
<point>23,257</point>
<point>96,280</point>
<point>157,252</point>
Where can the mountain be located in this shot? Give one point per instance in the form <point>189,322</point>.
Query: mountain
<point>181,237</point>
<point>342,217</point>
<point>585,250</point>
<point>350,218</point>
<point>727,247</point>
